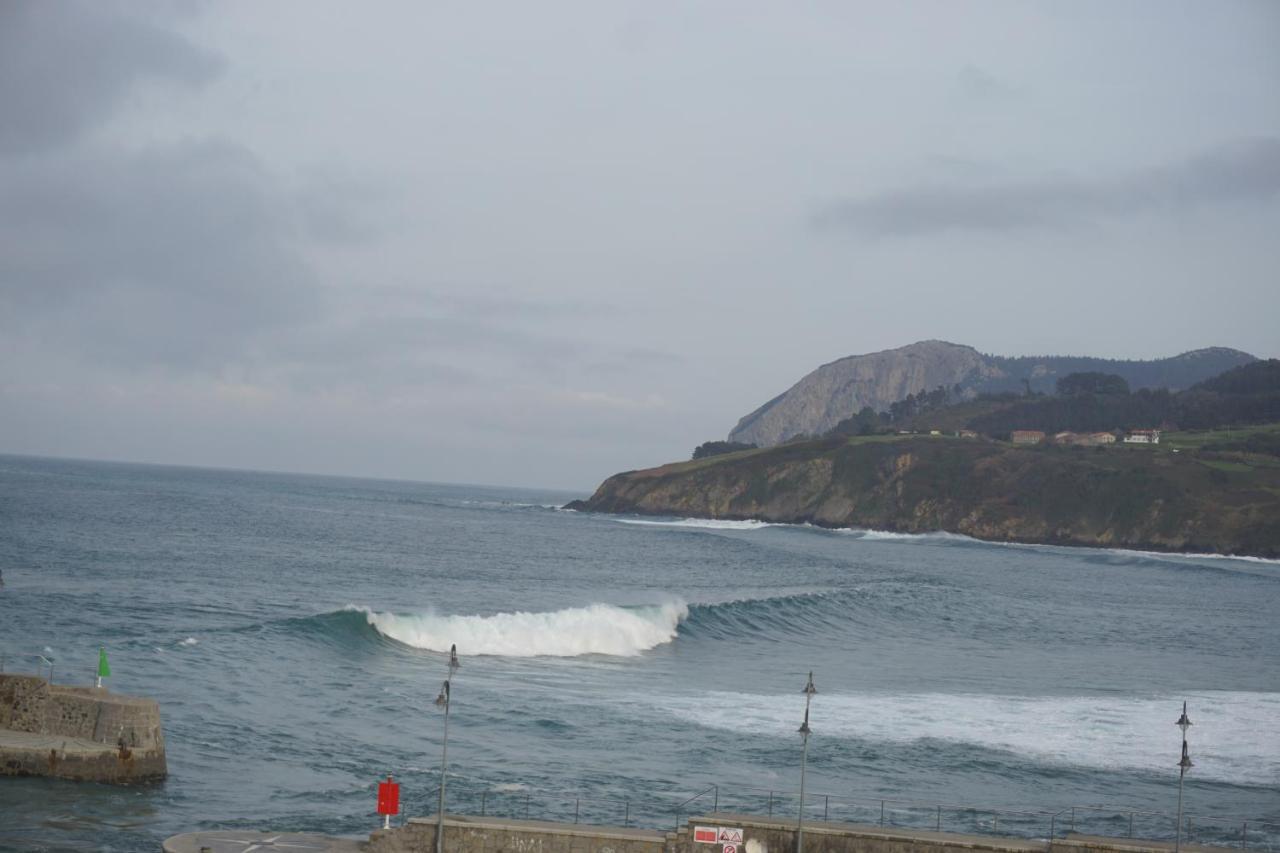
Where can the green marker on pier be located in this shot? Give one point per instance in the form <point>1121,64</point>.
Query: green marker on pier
<point>104,668</point>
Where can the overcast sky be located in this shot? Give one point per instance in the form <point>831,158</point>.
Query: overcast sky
<point>539,243</point>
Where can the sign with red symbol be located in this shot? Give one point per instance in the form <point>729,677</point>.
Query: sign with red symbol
<point>388,797</point>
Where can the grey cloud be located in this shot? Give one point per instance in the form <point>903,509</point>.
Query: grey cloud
<point>65,66</point>
<point>178,255</point>
<point>977,83</point>
<point>1248,170</point>
<point>337,209</point>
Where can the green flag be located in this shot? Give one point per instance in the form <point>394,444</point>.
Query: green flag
<point>104,668</point>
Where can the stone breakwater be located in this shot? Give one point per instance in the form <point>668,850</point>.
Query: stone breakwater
<point>80,733</point>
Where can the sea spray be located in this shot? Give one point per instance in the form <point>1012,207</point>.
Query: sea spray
<point>603,629</point>
<point>1112,732</point>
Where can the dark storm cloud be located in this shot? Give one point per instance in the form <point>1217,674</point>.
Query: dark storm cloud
<point>178,255</point>
<point>1248,170</point>
<point>66,66</point>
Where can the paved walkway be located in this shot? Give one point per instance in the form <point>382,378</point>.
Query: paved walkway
<point>248,841</point>
<point>9,739</point>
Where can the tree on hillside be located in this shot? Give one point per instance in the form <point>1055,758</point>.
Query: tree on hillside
<point>716,448</point>
<point>1260,377</point>
<point>866,422</point>
<point>1091,382</point>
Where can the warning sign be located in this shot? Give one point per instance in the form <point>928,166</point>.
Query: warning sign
<point>730,848</point>
<point>706,835</point>
<point>729,835</point>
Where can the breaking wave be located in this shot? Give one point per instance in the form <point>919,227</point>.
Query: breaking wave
<point>601,629</point>
<point>703,523</point>
<point>1114,732</point>
<point>606,629</point>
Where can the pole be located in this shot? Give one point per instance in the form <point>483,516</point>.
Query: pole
<point>444,770</point>
<point>443,699</point>
<point>804,760</point>
<point>1183,765</point>
<point>808,691</point>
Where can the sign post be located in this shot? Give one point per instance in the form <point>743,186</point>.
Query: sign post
<point>388,800</point>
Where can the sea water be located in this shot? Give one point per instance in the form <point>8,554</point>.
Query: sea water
<point>295,629</point>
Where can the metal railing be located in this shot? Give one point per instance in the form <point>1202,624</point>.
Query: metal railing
<point>41,662</point>
<point>683,805</point>
<point>1216,830</point>
<point>531,803</point>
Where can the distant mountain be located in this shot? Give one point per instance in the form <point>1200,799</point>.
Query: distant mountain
<point>838,390</point>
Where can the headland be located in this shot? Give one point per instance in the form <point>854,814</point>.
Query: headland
<point>1159,498</point>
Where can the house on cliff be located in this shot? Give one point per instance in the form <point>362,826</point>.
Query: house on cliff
<point>1027,436</point>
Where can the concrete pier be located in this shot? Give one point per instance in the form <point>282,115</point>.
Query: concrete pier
<point>81,733</point>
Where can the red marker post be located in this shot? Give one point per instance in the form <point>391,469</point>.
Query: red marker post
<point>388,800</point>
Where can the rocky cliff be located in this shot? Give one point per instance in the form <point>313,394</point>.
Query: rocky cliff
<point>1112,497</point>
<point>837,390</point>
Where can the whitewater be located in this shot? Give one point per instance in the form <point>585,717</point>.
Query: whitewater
<point>601,629</point>
<point>295,631</point>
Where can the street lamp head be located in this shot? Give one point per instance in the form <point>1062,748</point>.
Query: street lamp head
<point>1185,763</point>
<point>809,689</point>
<point>453,658</point>
<point>443,699</point>
<point>1183,722</point>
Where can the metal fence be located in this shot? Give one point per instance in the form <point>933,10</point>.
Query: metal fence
<point>670,810</point>
<point>38,664</point>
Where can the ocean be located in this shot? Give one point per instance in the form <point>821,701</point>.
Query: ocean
<point>294,630</point>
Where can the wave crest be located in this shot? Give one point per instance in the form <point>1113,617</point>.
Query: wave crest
<point>602,629</point>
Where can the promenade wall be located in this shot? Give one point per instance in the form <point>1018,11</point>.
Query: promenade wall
<point>760,835</point>
<point>497,835</point>
<point>84,733</point>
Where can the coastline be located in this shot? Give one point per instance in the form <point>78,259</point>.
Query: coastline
<point>1109,499</point>
<point>659,519</point>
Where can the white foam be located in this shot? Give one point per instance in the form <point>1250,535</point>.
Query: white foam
<point>895,536</point>
<point>704,523</point>
<point>1228,741</point>
<point>870,535</point>
<point>189,641</point>
<point>1191,555</point>
<point>602,629</point>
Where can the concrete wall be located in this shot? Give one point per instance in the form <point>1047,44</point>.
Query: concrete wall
<point>767,835</point>
<point>78,732</point>
<point>760,835</point>
<point>496,835</point>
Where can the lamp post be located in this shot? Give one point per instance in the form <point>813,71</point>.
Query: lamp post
<point>1183,766</point>
<point>808,691</point>
<point>442,701</point>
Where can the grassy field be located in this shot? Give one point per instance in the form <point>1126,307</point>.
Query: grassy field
<point>1219,441</point>
<point>1207,439</point>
